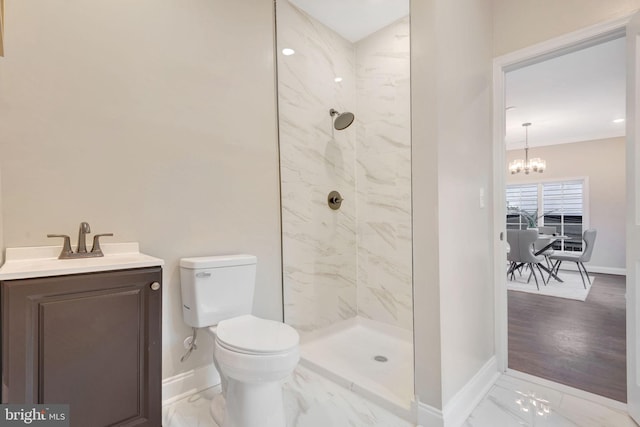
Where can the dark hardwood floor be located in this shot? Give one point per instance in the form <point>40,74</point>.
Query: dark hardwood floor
<point>579,344</point>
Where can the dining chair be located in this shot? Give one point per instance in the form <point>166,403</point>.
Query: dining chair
<point>541,243</point>
<point>513,256</point>
<point>526,239</point>
<point>589,237</point>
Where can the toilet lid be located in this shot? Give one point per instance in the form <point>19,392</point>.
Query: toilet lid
<point>255,335</point>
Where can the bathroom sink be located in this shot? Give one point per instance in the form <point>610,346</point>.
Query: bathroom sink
<point>42,261</point>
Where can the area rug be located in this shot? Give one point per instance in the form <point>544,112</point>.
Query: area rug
<point>571,288</point>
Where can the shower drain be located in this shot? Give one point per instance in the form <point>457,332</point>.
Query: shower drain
<point>380,358</point>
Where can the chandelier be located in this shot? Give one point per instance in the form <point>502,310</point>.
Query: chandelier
<point>527,165</point>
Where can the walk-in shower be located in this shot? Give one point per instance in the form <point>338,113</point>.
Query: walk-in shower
<point>347,267</point>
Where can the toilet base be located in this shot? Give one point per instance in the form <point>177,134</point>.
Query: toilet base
<point>217,409</point>
<point>254,404</point>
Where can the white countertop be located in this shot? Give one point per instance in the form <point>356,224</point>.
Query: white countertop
<point>42,261</point>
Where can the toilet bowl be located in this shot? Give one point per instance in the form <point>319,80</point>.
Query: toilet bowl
<point>254,355</point>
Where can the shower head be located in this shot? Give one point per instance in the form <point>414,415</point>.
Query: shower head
<point>343,120</point>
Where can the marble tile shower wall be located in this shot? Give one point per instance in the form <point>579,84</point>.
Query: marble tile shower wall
<point>383,176</point>
<point>356,260</point>
<point>319,244</point>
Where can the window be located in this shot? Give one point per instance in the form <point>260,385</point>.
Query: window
<point>520,197</point>
<point>560,204</point>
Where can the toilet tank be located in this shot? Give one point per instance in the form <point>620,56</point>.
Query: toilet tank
<point>216,288</point>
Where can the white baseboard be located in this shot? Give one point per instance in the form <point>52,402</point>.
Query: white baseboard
<point>428,416</point>
<point>571,266</point>
<point>458,409</point>
<point>460,406</point>
<point>187,383</point>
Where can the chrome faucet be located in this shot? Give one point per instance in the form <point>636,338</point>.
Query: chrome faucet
<point>82,237</point>
<point>81,251</point>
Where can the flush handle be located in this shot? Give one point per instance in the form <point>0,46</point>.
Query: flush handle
<point>155,286</point>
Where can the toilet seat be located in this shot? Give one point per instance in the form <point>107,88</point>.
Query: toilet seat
<point>252,335</point>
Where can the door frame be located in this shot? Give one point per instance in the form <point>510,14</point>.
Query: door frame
<point>546,50</point>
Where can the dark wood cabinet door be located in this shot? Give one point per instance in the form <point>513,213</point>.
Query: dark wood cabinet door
<point>92,341</point>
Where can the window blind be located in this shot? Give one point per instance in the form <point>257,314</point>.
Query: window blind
<point>562,203</point>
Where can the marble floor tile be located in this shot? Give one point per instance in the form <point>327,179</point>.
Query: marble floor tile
<point>515,385</point>
<point>310,401</point>
<point>192,411</point>
<point>515,402</point>
<point>313,401</point>
<point>588,414</point>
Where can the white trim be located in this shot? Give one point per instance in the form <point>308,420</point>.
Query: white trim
<point>460,406</point>
<point>188,383</point>
<point>633,217</point>
<point>512,60</point>
<point>538,179</point>
<point>499,214</point>
<point>561,44</point>
<point>429,416</point>
<point>595,398</point>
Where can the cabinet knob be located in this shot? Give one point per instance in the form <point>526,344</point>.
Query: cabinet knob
<point>155,286</point>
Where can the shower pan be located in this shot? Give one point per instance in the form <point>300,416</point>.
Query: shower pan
<point>372,358</point>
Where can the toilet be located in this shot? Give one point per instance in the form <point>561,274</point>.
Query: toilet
<point>252,355</point>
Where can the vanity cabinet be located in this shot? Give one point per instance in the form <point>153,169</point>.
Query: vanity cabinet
<point>91,340</point>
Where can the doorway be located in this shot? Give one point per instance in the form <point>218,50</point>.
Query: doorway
<point>545,51</point>
<point>570,331</point>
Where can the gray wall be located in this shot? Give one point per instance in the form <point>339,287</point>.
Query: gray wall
<point>603,163</point>
<point>424,176</point>
<point>143,119</point>
<point>451,139</point>
<point>522,23</point>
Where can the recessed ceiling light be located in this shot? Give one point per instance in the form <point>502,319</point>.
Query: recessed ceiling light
<point>618,121</point>
<point>337,79</point>
<point>288,52</point>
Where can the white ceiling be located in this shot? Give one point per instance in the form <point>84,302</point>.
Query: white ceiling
<point>355,19</point>
<point>570,98</point>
